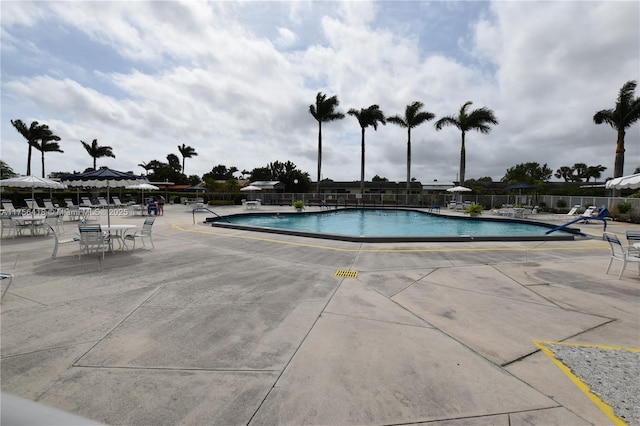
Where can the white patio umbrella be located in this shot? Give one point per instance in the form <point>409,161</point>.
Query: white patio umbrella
<point>624,182</point>
<point>143,186</point>
<point>459,189</point>
<point>251,188</point>
<point>32,182</point>
<point>104,178</point>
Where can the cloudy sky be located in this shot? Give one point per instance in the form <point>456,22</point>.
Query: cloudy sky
<point>234,80</point>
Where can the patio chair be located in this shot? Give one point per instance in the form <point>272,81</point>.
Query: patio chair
<point>633,237</point>
<point>11,226</point>
<point>92,240</point>
<point>142,234</point>
<point>618,252</point>
<point>9,278</point>
<point>60,239</point>
<point>117,202</point>
<point>102,202</point>
<point>51,222</point>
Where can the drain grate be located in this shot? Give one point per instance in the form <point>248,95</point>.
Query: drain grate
<point>346,273</point>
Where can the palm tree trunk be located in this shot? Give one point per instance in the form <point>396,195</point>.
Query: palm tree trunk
<point>43,161</point>
<point>362,165</point>
<point>29,160</point>
<point>94,163</point>
<point>463,161</point>
<point>408,160</point>
<point>319,155</point>
<point>618,168</point>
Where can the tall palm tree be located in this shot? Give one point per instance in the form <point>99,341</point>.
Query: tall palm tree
<point>367,117</point>
<point>96,151</point>
<point>625,113</point>
<point>413,117</point>
<point>31,134</point>
<point>478,119</point>
<point>324,110</point>
<point>48,143</point>
<point>186,152</point>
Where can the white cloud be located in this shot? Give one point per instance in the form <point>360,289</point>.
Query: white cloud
<point>234,80</point>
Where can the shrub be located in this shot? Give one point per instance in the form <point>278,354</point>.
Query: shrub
<point>624,208</point>
<point>561,203</point>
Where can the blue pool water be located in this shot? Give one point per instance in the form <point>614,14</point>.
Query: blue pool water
<point>389,223</point>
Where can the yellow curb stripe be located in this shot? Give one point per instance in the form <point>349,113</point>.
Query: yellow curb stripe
<point>206,231</point>
<point>582,386</point>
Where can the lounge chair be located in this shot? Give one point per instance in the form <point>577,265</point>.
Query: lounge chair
<point>48,204</point>
<point>33,205</point>
<point>102,202</point>
<point>618,252</point>
<point>9,279</point>
<point>142,234</point>
<point>7,206</point>
<point>86,202</point>
<point>117,202</point>
<point>92,240</point>
<point>573,210</point>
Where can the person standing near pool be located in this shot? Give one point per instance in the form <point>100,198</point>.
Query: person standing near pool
<point>161,205</point>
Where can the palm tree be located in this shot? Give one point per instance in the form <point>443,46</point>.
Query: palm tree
<point>96,151</point>
<point>478,119</point>
<point>625,113</point>
<point>31,134</point>
<point>413,117</point>
<point>186,152</point>
<point>595,172</point>
<point>367,117</point>
<point>324,110</point>
<point>47,144</point>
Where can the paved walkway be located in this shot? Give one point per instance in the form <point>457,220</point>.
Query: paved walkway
<point>224,327</point>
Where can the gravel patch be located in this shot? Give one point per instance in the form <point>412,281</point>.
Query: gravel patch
<point>612,374</point>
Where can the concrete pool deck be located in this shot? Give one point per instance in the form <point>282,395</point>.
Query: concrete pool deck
<point>220,326</point>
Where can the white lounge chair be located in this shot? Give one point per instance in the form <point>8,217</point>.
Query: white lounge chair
<point>7,206</point>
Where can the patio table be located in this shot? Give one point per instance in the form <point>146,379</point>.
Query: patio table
<point>32,221</point>
<point>117,232</point>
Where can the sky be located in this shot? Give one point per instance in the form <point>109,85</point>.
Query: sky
<point>234,80</point>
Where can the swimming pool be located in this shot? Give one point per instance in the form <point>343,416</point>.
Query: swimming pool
<point>379,225</point>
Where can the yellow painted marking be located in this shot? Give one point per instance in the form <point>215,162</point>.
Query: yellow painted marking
<point>202,230</point>
<point>346,273</point>
<point>584,387</point>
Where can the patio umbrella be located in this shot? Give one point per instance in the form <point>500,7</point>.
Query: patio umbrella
<point>624,182</point>
<point>143,186</point>
<point>32,182</point>
<point>103,178</point>
<point>251,188</point>
<point>459,189</point>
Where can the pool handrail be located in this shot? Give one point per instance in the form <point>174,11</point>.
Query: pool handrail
<point>193,213</point>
